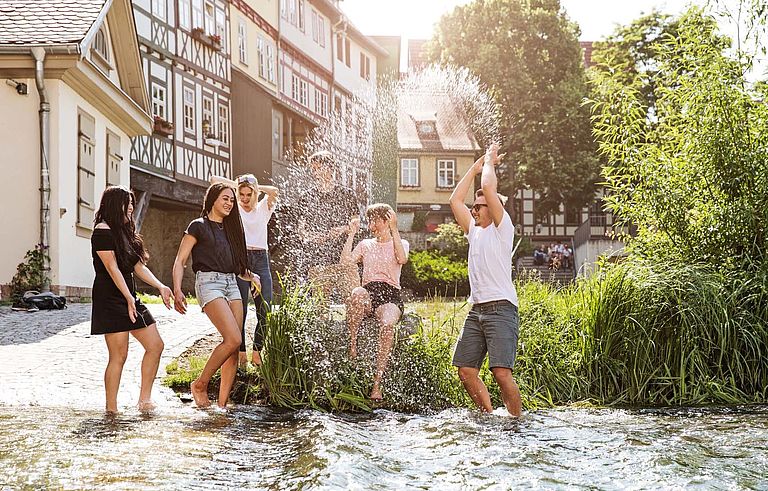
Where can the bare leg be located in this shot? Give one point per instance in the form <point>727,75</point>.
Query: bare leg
<point>229,368</point>
<point>117,344</point>
<point>153,348</point>
<point>475,387</point>
<point>388,315</point>
<point>510,392</point>
<point>358,305</point>
<point>220,314</point>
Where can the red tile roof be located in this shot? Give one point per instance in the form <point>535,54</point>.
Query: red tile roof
<point>39,22</point>
<point>453,130</point>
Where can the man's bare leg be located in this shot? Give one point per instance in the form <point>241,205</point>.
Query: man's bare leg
<point>475,387</point>
<point>510,392</point>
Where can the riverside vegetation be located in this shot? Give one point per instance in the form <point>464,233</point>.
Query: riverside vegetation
<point>682,320</point>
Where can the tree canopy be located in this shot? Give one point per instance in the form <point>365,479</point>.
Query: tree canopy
<point>527,53</point>
<point>692,175</point>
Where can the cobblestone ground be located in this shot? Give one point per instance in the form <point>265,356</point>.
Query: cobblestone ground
<point>49,358</point>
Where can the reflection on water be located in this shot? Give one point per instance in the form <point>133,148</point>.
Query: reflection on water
<point>258,448</point>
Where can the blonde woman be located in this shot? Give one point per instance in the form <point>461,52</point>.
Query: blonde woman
<point>255,212</point>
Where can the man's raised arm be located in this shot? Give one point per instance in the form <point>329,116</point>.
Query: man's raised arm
<point>460,212</point>
<point>489,183</point>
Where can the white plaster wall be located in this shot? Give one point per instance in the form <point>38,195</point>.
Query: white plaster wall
<point>20,171</point>
<point>304,42</point>
<point>349,77</point>
<point>70,251</point>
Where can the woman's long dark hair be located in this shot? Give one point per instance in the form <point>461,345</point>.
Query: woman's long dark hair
<point>232,224</point>
<point>113,210</point>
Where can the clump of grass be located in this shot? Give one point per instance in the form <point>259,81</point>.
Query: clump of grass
<point>147,298</point>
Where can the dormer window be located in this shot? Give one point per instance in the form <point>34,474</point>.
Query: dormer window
<point>100,50</point>
<point>426,128</point>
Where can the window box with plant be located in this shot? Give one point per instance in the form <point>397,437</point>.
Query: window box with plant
<point>213,41</point>
<point>163,127</point>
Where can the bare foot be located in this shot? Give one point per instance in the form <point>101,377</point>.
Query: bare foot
<point>376,394</point>
<point>256,358</point>
<point>147,406</point>
<point>199,393</point>
<point>243,359</point>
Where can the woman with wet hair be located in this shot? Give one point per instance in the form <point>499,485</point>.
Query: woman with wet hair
<point>216,244</point>
<point>255,213</point>
<point>383,257</point>
<point>118,253</point>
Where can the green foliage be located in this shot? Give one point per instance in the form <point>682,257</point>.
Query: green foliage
<point>419,221</point>
<point>432,273</point>
<point>528,54</point>
<point>30,274</point>
<point>694,182</point>
<point>147,299</point>
<point>451,241</point>
<point>297,364</point>
<point>646,334</point>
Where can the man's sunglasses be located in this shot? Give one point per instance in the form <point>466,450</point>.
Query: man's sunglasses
<point>246,179</point>
<point>478,206</point>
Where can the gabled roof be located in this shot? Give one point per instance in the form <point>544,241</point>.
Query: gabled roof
<point>453,132</point>
<point>47,22</point>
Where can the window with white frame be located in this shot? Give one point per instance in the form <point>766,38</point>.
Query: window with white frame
<point>184,13</point>
<point>303,93</point>
<point>100,48</point>
<point>321,102</point>
<point>300,15</point>
<point>295,87</point>
<point>314,26</point>
<point>365,67</point>
<point>446,173</point>
<point>261,54</point>
<point>158,101</point>
<point>242,41</point>
<point>339,47</point>
<point>221,27</point>
<point>321,30</point>
<point>208,113</point>
<point>198,18</point>
<point>224,124</point>
<point>271,63</point>
<point>210,18</point>
<point>160,8</point>
<point>292,11</point>
<point>189,110</point>
<point>409,172</point>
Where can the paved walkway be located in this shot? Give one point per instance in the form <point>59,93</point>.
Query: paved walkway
<point>49,358</point>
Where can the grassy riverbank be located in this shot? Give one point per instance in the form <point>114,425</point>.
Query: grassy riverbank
<point>635,334</point>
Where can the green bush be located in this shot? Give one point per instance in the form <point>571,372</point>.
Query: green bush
<point>451,241</point>
<point>30,274</point>
<point>433,273</point>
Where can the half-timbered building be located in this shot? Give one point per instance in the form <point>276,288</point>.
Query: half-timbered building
<point>185,46</point>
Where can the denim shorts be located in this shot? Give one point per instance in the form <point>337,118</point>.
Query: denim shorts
<point>491,327</point>
<point>210,285</point>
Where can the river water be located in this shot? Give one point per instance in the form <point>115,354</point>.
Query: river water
<point>253,447</point>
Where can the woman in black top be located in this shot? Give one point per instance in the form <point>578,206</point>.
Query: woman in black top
<point>118,252</point>
<point>216,243</point>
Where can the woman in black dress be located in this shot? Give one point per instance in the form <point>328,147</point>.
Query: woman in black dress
<point>216,244</point>
<point>118,252</point>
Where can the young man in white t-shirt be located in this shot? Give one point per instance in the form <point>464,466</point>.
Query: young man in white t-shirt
<point>492,324</point>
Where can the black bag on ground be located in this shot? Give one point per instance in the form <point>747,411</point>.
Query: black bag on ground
<point>44,301</point>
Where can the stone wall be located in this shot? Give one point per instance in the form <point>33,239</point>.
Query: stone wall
<point>162,231</point>
<point>418,241</point>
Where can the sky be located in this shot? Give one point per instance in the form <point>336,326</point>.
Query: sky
<point>416,18</point>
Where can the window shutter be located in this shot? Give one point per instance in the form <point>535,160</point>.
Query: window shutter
<point>114,159</point>
<point>86,170</point>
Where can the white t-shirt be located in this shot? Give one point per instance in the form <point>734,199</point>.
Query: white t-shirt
<point>490,262</point>
<point>255,224</point>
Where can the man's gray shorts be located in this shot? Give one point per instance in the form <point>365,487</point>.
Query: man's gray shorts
<point>491,327</point>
